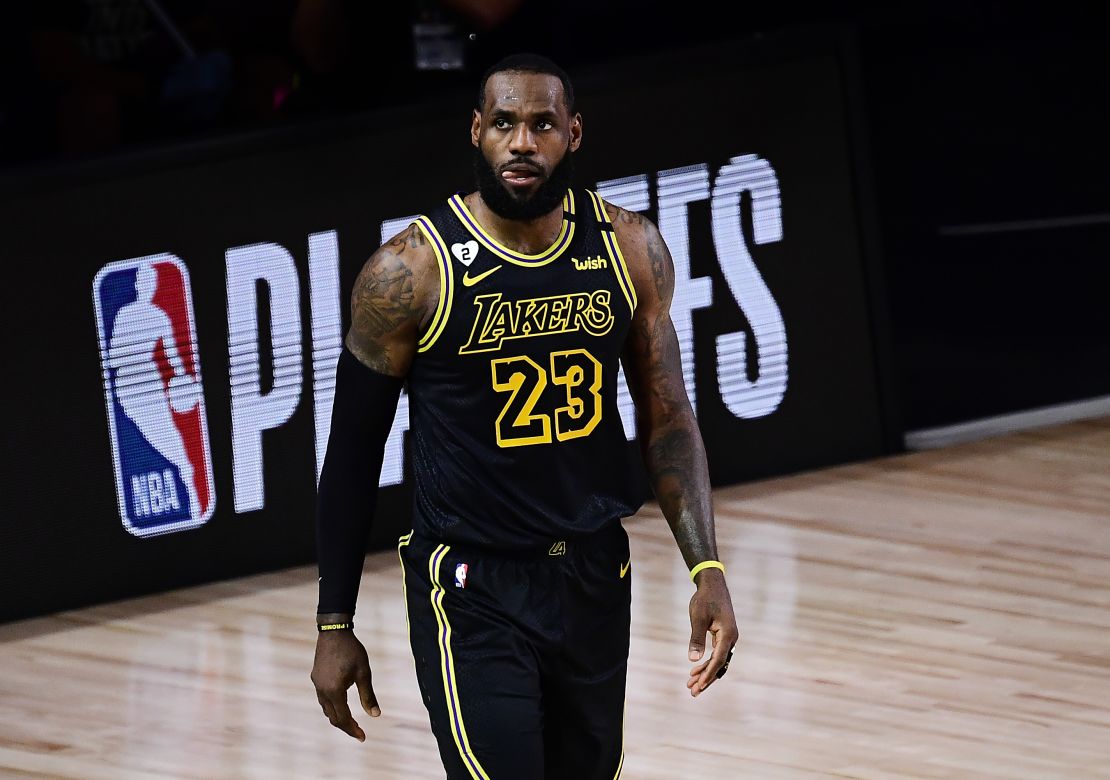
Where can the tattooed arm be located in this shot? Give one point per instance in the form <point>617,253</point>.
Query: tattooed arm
<point>394,296</point>
<point>670,440</point>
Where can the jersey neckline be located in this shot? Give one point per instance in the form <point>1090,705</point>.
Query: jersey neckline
<point>552,253</point>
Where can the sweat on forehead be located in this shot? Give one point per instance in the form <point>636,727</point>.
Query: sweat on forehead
<point>505,90</point>
<point>525,65</point>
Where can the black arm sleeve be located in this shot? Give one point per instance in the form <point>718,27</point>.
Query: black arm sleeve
<point>361,416</point>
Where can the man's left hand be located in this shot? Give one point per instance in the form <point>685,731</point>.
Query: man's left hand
<point>710,612</point>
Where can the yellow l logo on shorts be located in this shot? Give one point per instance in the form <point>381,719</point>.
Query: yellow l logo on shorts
<point>559,548</point>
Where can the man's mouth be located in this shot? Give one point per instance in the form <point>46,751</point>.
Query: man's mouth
<point>520,175</point>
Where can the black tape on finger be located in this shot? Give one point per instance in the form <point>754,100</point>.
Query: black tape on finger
<point>724,667</point>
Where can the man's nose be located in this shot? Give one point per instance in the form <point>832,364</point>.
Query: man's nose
<point>523,140</point>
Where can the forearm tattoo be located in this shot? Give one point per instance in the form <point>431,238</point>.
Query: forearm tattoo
<point>672,445</point>
<point>675,457</point>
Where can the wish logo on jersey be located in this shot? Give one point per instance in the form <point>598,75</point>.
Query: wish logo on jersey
<point>154,394</point>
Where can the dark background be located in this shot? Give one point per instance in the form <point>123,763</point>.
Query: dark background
<point>969,191</point>
<point>993,113</point>
<point>974,113</point>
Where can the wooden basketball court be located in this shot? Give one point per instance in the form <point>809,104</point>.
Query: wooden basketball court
<point>937,615</point>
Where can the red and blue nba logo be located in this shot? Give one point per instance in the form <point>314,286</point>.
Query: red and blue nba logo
<point>154,394</point>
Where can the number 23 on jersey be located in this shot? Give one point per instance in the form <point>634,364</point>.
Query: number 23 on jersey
<point>575,379</point>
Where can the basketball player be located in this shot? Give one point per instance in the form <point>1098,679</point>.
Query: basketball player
<point>507,312</point>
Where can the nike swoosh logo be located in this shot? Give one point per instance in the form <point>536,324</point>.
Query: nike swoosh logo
<point>470,281</point>
<point>625,567</point>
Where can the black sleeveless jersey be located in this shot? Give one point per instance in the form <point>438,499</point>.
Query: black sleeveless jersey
<point>516,440</point>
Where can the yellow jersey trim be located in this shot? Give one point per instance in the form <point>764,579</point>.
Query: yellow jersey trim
<point>624,725</point>
<point>599,210</point>
<point>568,202</point>
<point>446,285</point>
<point>447,666</point>
<point>404,542</point>
<point>552,253</point>
<point>621,270</point>
<point>620,267</point>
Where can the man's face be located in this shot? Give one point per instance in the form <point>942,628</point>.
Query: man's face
<point>523,132</point>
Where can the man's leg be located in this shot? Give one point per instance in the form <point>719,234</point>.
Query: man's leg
<point>584,697</point>
<point>478,674</point>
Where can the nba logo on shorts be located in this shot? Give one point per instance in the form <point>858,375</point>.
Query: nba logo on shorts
<point>460,575</point>
<point>154,394</point>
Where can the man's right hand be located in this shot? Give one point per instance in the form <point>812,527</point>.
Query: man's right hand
<point>341,661</point>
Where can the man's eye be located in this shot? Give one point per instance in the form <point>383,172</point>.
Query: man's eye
<point>501,124</point>
<point>543,124</point>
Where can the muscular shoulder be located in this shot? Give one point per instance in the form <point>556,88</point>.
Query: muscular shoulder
<point>394,296</point>
<point>645,252</point>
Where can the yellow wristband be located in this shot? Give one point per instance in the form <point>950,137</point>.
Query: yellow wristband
<point>335,626</point>
<point>706,565</point>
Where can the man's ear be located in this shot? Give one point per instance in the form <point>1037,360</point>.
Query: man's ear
<point>475,127</point>
<point>575,132</point>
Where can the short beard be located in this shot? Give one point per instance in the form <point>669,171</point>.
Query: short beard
<point>548,195</point>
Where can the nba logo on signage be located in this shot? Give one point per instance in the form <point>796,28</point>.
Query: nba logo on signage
<point>154,395</point>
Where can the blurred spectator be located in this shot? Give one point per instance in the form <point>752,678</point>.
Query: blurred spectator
<point>102,64</point>
<point>84,77</point>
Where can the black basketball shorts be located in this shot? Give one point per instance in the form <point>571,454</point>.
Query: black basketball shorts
<point>522,659</point>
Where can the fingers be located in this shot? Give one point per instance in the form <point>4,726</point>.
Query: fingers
<point>706,673</point>
<point>698,629</point>
<point>703,675</point>
<point>334,704</point>
<point>695,673</point>
<point>366,694</point>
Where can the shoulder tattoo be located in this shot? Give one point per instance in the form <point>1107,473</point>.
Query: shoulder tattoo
<point>383,300</point>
